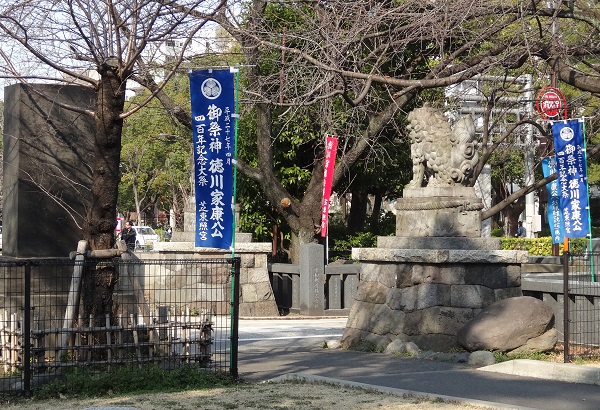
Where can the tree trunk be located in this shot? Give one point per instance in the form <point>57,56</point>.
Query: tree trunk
<point>305,235</point>
<point>358,212</point>
<point>511,216</point>
<point>136,201</point>
<point>101,218</point>
<point>98,283</point>
<point>375,213</point>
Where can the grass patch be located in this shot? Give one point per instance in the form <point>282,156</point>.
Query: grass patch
<point>81,383</point>
<point>504,357</point>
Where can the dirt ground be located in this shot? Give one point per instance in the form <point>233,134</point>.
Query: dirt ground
<point>277,396</point>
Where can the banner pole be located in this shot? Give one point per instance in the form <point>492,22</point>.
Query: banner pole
<point>235,155</point>
<point>234,312</point>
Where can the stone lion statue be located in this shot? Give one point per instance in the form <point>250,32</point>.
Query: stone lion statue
<point>442,155</point>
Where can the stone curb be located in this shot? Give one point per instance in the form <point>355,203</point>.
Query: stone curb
<point>111,408</point>
<point>392,391</point>
<point>566,372</point>
<point>288,317</point>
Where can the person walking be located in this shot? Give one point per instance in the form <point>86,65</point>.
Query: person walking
<point>520,230</point>
<point>168,234</point>
<point>128,235</point>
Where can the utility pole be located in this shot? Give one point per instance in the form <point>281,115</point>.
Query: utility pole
<point>532,221</point>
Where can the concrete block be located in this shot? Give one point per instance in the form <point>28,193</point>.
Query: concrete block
<point>260,260</point>
<point>372,292</point>
<point>384,320</point>
<point>444,320</point>
<point>360,315</point>
<point>248,293</point>
<point>418,297</point>
<point>471,296</point>
<point>369,272</point>
<point>506,293</point>
<point>247,260</point>
<point>257,275</point>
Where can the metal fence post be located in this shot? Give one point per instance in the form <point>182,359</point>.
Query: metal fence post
<point>312,275</point>
<point>235,316</point>
<point>27,332</point>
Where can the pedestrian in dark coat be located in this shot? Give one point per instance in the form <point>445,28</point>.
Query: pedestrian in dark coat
<point>128,235</point>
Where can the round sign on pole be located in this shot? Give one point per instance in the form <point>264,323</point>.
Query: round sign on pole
<point>550,103</point>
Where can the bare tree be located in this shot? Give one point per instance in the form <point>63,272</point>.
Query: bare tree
<point>376,60</point>
<point>363,64</point>
<point>99,45</point>
<point>355,67</point>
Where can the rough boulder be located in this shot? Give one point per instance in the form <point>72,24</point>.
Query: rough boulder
<point>520,324</point>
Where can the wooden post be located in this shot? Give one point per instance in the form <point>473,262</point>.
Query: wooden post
<point>14,346</point>
<point>108,340</point>
<point>74,292</point>
<point>3,339</point>
<point>120,338</point>
<point>135,338</point>
<point>185,335</point>
<point>138,290</point>
<point>90,340</point>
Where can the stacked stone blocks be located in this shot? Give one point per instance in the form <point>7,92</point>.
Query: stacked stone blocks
<point>426,302</point>
<point>256,294</point>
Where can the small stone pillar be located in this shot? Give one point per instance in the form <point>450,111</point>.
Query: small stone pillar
<point>312,277</point>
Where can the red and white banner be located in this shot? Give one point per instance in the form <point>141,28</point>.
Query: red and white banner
<point>331,144</point>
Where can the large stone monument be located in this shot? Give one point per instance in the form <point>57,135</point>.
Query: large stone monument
<point>437,273</point>
<point>47,174</point>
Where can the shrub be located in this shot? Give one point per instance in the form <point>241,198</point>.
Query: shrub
<point>497,233</point>
<point>541,246</point>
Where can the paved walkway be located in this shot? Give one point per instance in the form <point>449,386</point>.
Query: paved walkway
<point>506,385</point>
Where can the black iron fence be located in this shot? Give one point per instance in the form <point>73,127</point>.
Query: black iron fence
<point>581,306</point>
<point>59,313</point>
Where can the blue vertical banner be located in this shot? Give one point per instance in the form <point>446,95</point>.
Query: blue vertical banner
<point>572,176</point>
<point>555,221</point>
<point>212,95</point>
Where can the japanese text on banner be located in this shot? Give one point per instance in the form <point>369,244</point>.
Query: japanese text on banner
<point>330,155</point>
<point>572,177</point>
<point>213,104</point>
<point>554,214</point>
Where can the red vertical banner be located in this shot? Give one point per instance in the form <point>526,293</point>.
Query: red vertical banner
<point>331,144</point>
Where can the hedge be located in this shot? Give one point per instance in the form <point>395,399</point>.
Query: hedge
<point>541,246</point>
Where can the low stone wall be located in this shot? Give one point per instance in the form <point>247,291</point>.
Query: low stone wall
<point>426,295</point>
<point>256,294</point>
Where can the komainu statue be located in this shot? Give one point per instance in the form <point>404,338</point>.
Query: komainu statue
<point>442,156</point>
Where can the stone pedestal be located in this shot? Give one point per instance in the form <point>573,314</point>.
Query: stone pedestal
<point>433,277</point>
<point>439,211</point>
<point>426,295</point>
